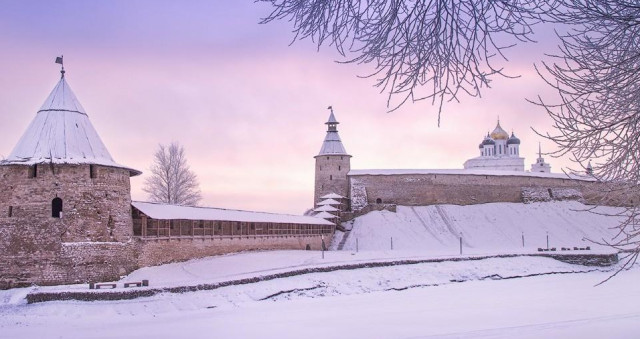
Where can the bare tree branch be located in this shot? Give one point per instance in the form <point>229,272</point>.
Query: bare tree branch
<point>446,47</point>
<point>596,76</point>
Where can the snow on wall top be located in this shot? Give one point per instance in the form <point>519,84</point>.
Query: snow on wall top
<point>166,211</point>
<point>61,133</point>
<point>469,172</point>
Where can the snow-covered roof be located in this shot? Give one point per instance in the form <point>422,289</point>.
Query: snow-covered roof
<point>469,172</point>
<point>328,202</point>
<point>324,215</point>
<point>325,208</point>
<point>166,212</point>
<point>332,144</point>
<point>61,133</point>
<point>332,196</point>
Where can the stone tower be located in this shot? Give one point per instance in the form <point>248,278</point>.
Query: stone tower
<point>332,164</point>
<point>65,204</point>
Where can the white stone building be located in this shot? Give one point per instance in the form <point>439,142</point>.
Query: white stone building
<point>498,151</point>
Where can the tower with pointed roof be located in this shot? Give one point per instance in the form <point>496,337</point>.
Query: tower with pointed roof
<point>332,164</point>
<point>61,191</point>
<point>540,165</point>
<point>498,151</point>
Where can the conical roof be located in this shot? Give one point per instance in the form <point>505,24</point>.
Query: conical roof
<point>61,133</point>
<point>332,144</point>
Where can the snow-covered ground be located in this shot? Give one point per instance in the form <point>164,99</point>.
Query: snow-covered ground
<point>485,228</point>
<point>499,297</point>
<point>480,298</point>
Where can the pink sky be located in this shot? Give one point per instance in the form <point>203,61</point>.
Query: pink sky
<point>248,108</point>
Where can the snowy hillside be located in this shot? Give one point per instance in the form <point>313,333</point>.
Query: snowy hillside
<point>485,228</point>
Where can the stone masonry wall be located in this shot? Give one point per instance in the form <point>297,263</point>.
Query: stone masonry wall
<point>161,251</point>
<point>331,175</point>
<point>459,189</point>
<point>38,248</point>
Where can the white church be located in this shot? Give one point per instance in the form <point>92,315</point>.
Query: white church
<point>501,152</point>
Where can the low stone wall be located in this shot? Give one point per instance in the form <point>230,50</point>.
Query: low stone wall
<point>94,295</point>
<point>154,251</point>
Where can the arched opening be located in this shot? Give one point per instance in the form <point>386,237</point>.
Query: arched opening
<point>378,201</point>
<point>56,207</point>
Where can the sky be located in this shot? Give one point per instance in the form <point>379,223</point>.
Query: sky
<point>247,105</point>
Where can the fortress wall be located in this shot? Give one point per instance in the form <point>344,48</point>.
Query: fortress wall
<point>161,251</point>
<point>458,189</point>
<point>331,175</point>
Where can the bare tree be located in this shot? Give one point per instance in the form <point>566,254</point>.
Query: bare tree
<point>596,76</point>
<point>171,180</point>
<point>433,50</point>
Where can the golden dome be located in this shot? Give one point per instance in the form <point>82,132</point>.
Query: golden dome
<point>499,134</point>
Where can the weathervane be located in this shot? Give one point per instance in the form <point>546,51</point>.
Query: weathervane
<point>331,108</point>
<point>60,61</point>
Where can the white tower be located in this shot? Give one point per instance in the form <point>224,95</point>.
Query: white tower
<point>540,165</point>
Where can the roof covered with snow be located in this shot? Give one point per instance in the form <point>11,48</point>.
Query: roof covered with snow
<point>332,144</point>
<point>166,212</point>
<point>61,133</point>
<point>469,172</point>
<point>325,208</point>
<point>324,215</point>
<point>329,202</point>
<point>332,196</point>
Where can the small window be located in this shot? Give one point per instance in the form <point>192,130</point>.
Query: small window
<point>33,171</point>
<point>331,177</point>
<point>378,201</point>
<point>253,226</point>
<point>327,158</point>
<point>238,226</point>
<point>171,224</point>
<point>92,171</point>
<point>339,168</point>
<point>10,211</point>
<point>56,207</point>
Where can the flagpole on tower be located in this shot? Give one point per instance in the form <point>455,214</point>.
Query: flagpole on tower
<point>59,60</point>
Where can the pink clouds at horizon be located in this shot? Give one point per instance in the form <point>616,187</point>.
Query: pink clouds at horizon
<point>250,115</point>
